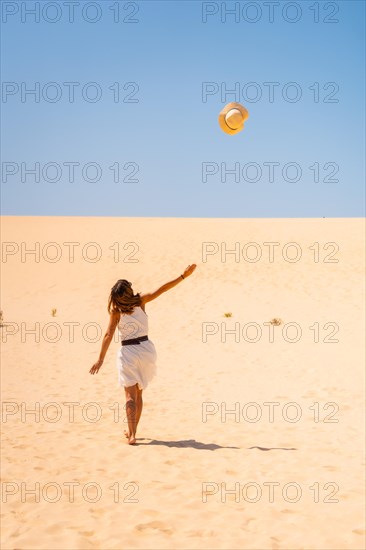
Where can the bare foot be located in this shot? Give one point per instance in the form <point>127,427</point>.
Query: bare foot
<point>127,433</point>
<point>132,440</point>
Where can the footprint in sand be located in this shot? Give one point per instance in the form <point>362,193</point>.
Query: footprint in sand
<point>97,511</point>
<point>53,529</point>
<point>194,534</point>
<point>331,468</point>
<point>247,522</point>
<point>154,526</point>
<point>83,544</point>
<point>149,512</point>
<point>275,544</point>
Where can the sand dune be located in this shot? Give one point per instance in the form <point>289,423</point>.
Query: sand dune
<point>248,440</point>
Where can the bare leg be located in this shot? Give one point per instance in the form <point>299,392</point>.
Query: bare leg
<point>131,411</point>
<point>139,404</point>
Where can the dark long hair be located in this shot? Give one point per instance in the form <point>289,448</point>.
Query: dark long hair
<point>122,298</point>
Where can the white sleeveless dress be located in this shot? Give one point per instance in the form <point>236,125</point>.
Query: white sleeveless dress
<point>136,363</point>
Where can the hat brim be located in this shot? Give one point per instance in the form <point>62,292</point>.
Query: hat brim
<point>222,121</point>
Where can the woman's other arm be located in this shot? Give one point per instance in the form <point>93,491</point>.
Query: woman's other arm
<point>113,321</point>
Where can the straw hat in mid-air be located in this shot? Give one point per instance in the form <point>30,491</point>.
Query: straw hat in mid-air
<point>232,118</point>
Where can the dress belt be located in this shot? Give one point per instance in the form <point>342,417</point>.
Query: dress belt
<point>133,341</point>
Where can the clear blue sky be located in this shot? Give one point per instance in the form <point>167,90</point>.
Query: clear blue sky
<point>170,131</point>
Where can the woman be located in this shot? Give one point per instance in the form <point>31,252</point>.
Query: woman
<point>136,360</point>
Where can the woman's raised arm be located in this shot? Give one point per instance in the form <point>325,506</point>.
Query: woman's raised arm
<point>167,286</point>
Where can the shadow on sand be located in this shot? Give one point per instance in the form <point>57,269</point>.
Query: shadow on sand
<point>273,448</point>
<point>192,443</point>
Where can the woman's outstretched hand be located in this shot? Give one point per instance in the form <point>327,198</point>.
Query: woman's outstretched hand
<point>189,270</point>
<point>96,367</point>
